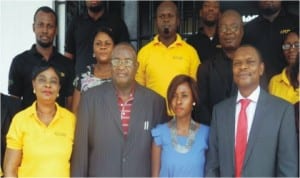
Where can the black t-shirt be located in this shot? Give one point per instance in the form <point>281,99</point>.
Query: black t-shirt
<point>20,81</point>
<point>80,36</point>
<point>268,37</point>
<point>205,47</point>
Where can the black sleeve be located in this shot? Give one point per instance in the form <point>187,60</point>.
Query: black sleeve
<point>15,78</point>
<point>201,112</point>
<point>70,38</point>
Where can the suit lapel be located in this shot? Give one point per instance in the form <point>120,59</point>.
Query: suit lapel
<point>111,100</point>
<point>231,130</point>
<point>261,108</point>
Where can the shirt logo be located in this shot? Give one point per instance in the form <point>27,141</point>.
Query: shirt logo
<point>284,31</point>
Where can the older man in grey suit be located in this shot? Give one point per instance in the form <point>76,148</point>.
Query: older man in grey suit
<point>113,137</point>
<point>258,140</point>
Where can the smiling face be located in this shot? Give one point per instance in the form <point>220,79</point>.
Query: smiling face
<point>291,55</point>
<point>46,85</point>
<point>230,30</point>
<point>182,101</point>
<point>124,66</point>
<point>247,68</point>
<point>44,28</point>
<point>103,46</point>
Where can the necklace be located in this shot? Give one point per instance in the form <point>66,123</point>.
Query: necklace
<point>190,139</point>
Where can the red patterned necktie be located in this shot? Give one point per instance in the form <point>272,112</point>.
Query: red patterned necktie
<point>241,138</point>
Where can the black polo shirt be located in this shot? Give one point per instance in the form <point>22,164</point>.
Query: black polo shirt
<point>205,46</point>
<point>20,82</point>
<point>80,36</point>
<point>268,37</point>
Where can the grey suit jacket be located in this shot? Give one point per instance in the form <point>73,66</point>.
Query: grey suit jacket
<point>100,149</point>
<point>272,144</point>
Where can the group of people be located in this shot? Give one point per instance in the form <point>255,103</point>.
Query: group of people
<point>103,109</point>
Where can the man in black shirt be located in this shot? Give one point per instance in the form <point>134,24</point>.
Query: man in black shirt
<point>214,77</point>
<point>80,33</point>
<point>266,33</point>
<point>43,51</point>
<point>206,42</point>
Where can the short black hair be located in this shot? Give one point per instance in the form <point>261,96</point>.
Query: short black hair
<point>107,31</point>
<point>43,67</point>
<point>45,9</point>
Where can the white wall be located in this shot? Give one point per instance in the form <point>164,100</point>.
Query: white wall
<point>16,35</point>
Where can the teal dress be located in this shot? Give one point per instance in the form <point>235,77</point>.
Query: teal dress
<point>176,164</point>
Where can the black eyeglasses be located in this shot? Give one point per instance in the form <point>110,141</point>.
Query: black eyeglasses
<point>289,46</point>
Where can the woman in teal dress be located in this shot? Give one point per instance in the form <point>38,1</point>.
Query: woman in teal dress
<point>179,146</point>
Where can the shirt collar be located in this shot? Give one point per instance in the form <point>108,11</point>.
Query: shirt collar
<point>177,42</point>
<point>284,78</point>
<point>253,96</point>
<point>131,95</point>
<point>33,112</point>
<point>36,53</point>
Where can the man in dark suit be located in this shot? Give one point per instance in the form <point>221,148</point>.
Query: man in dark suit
<point>113,137</point>
<point>9,107</point>
<point>259,141</point>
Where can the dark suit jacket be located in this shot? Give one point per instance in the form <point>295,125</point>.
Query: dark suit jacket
<point>272,144</point>
<point>9,107</point>
<point>100,149</point>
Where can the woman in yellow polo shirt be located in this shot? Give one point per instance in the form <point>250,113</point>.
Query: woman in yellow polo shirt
<point>40,138</point>
<point>286,85</point>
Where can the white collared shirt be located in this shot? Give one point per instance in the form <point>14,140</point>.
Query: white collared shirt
<point>250,111</point>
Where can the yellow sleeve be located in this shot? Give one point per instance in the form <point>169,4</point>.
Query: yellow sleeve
<point>140,76</point>
<point>271,86</point>
<point>14,137</point>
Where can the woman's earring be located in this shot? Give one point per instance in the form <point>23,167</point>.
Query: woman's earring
<point>57,95</point>
<point>94,55</point>
<point>194,104</point>
<point>34,91</point>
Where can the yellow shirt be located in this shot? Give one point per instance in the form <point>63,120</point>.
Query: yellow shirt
<point>159,64</point>
<point>280,86</point>
<point>46,150</point>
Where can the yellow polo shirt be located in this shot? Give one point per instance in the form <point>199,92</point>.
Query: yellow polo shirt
<point>280,86</point>
<point>46,150</point>
<point>159,64</point>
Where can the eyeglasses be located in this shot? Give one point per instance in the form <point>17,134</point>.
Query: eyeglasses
<point>232,28</point>
<point>289,46</point>
<point>119,62</point>
<point>44,81</point>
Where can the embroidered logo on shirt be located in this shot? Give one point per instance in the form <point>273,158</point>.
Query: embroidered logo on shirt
<point>61,134</point>
<point>284,31</point>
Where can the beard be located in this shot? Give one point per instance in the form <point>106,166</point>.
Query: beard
<point>44,45</point>
<point>209,23</point>
<point>97,8</point>
<point>268,11</point>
